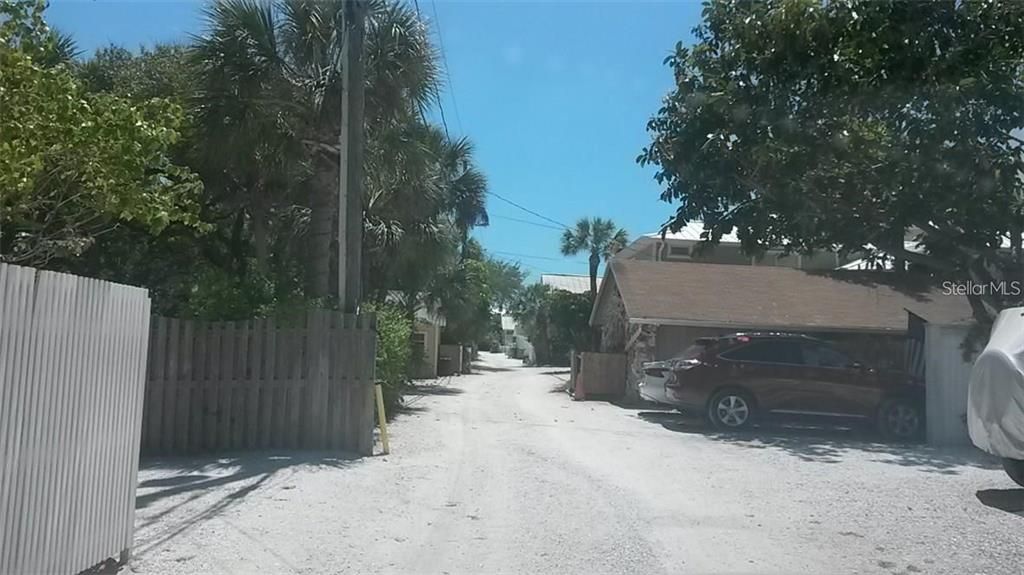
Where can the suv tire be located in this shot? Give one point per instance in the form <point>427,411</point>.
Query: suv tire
<point>901,419</point>
<point>731,409</point>
<point>1015,469</point>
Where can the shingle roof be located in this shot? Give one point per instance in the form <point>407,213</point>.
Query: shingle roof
<point>769,297</point>
<point>568,282</point>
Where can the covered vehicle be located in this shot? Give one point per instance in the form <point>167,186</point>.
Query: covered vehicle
<point>995,402</point>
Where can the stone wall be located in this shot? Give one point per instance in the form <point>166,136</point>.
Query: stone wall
<point>642,350</point>
<point>613,324</point>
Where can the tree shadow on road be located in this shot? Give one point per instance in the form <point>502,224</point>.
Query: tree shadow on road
<point>176,483</point>
<point>1008,500</point>
<point>182,477</point>
<point>824,443</point>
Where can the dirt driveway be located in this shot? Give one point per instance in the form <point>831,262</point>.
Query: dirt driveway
<point>498,473</point>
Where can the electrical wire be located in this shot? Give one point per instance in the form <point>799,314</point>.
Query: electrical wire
<point>518,255</point>
<point>447,70</point>
<point>522,221</point>
<point>528,210</point>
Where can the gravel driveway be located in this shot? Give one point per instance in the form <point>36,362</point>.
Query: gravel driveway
<point>499,473</point>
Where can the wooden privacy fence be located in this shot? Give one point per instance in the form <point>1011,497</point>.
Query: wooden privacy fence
<point>223,386</point>
<point>72,367</point>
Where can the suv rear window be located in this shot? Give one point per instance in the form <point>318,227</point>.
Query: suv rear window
<point>787,352</point>
<point>695,350</point>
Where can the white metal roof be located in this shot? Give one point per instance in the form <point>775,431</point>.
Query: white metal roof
<point>691,232</point>
<point>568,282</point>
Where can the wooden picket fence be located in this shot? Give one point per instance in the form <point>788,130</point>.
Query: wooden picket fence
<point>260,384</point>
<point>72,366</point>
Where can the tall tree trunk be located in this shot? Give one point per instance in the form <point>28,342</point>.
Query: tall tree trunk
<point>321,233</point>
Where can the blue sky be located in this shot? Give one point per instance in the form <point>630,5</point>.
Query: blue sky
<point>555,95</point>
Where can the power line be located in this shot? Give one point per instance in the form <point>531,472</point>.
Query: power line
<point>447,70</point>
<point>518,255</point>
<point>528,210</point>
<point>437,94</point>
<point>522,221</point>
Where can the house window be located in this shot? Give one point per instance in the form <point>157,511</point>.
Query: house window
<point>681,252</point>
<point>419,345</point>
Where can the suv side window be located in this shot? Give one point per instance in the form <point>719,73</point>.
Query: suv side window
<point>784,352</point>
<point>823,356</point>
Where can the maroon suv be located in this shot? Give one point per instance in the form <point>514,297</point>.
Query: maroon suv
<point>735,379</point>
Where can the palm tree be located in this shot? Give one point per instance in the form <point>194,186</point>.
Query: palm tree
<point>598,237</point>
<point>271,76</point>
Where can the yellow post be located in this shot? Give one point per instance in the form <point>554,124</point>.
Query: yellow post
<point>381,419</point>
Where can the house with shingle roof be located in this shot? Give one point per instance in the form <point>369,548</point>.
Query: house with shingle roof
<point>653,310</point>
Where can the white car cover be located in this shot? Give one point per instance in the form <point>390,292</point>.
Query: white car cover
<point>995,402</point>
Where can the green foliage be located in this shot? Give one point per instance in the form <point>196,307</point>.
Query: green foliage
<point>159,72</point>
<point>569,323</point>
<point>73,164</point>
<point>840,125</point>
<point>465,300</point>
<point>532,312</point>
<point>218,295</point>
<point>208,172</point>
<point>505,280</point>
<point>555,322</point>
<point>394,339</point>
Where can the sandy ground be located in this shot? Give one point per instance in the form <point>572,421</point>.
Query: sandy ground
<point>499,473</point>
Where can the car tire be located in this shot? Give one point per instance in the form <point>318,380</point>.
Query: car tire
<point>1015,469</point>
<point>731,409</point>
<point>901,419</point>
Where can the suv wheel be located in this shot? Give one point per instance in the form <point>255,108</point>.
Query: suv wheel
<point>1015,469</point>
<point>900,419</point>
<point>731,409</point>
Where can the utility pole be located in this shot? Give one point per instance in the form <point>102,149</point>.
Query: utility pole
<point>350,200</point>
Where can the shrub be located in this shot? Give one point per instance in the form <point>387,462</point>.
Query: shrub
<point>394,350</point>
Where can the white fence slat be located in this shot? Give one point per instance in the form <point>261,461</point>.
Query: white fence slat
<point>17,287</point>
<point>72,355</point>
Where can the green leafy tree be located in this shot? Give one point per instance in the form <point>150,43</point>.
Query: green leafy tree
<point>598,238</point>
<point>844,125</point>
<point>74,165</point>
<point>532,311</point>
<point>163,71</point>
<point>505,280</point>
<point>569,318</point>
